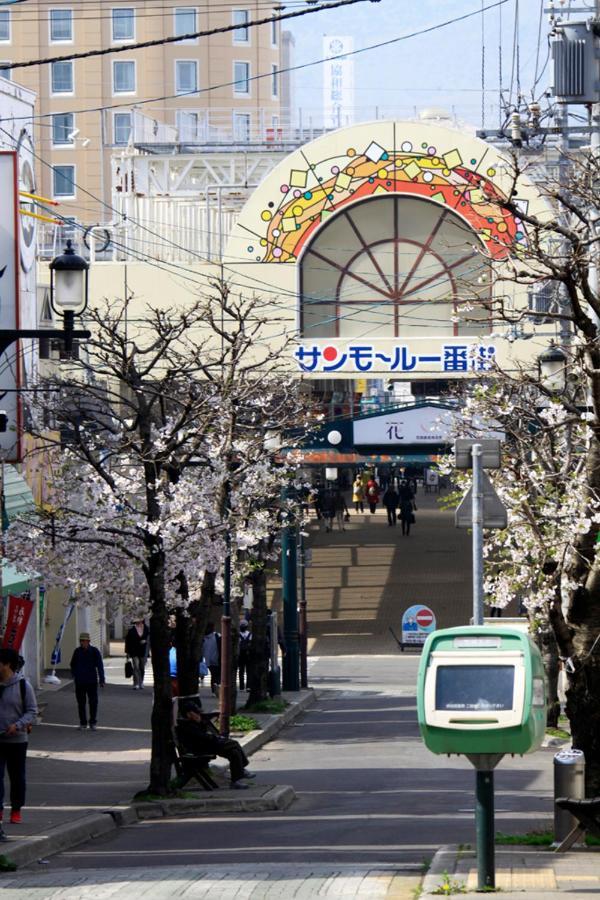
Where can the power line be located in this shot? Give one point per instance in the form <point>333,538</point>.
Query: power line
<point>317,62</point>
<point>157,42</point>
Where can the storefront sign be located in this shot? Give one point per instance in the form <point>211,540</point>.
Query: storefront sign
<point>443,356</point>
<point>416,425</point>
<point>19,611</point>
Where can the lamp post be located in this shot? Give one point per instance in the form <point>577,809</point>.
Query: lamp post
<point>68,297</point>
<point>552,368</point>
<point>289,583</point>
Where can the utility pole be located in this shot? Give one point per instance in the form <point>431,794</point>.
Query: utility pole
<point>289,575</point>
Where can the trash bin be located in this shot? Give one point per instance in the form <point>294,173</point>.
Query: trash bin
<point>569,781</point>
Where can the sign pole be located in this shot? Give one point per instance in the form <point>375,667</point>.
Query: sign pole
<point>477,535</point>
<point>484,826</point>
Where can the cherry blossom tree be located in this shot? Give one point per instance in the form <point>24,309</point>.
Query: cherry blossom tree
<point>160,470</point>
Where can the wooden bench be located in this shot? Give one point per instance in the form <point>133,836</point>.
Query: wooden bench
<point>587,813</point>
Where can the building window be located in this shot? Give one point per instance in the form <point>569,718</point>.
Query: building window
<point>188,126</point>
<point>63,178</point>
<point>62,129</point>
<point>123,24</point>
<point>241,35</point>
<point>241,78</point>
<point>186,76</point>
<point>274,33</point>
<point>185,22</point>
<point>122,128</point>
<point>274,81</point>
<point>241,127</point>
<point>124,77</point>
<point>5,26</point>
<point>62,77</point>
<point>61,25</point>
<point>4,72</point>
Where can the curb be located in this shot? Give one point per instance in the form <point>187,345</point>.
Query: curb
<point>443,861</point>
<point>63,837</point>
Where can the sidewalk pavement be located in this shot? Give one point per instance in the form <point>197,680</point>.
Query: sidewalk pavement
<point>537,871</point>
<point>80,783</point>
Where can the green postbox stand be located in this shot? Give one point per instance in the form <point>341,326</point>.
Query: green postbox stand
<point>481,693</point>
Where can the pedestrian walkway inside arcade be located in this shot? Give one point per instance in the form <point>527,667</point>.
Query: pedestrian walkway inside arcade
<point>362,579</point>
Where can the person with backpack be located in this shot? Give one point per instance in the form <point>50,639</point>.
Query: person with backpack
<point>372,494</point>
<point>18,711</point>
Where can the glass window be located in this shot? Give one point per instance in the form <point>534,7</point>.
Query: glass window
<point>241,127</point>
<point>4,72</point>
<point>63,181</point>
<point>124,77</point>
<point>241,35</point>
<point>474,688</point>
<point>274,81</point>
<point>241,77</point>
<point>185,22</point>
<point>61,25</point>
<point>123,24</point>
<point>4,25</point>
<point>274,25</point>
<point>62,127</point>
<point>122,127</point>
<point>62,77</point>
<point>186,76</point>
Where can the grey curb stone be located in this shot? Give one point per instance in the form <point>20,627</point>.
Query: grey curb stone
<point>443,861</point>
<point>276,797</point>
<point>26,851</point>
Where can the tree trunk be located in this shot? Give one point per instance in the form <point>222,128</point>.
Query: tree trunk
<point>546,641</point>
<point>258,666</point>
<point>162,707</point>
<point>583,711</point>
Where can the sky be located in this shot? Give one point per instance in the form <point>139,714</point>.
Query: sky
<point>441,69</point>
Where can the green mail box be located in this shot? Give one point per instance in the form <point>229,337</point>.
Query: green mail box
<point>481,690</point>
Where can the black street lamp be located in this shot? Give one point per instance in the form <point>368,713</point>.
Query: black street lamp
<point>68,297</point>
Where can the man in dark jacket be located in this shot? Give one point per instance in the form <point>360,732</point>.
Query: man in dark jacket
<point>87,670</point>
<point>18,711</point>
<point>197,734</point>
<point>390,501</point>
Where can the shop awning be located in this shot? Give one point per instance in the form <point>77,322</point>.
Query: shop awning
<point>17,493</point>
<point>14,582</point>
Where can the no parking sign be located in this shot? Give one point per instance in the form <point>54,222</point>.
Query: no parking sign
<point>417,622</point>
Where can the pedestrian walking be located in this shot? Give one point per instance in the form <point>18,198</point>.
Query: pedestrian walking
<point>137,646</point>
<point>390,501</point>
<point>328,509</point>
<point>87,670</point>
<point>407,507</point>
<point>18,711</point>
<point>341,510</point>
<point>211,652</point>
<point>244,653</point>
<point>372,494</point>
<point>358,494</point>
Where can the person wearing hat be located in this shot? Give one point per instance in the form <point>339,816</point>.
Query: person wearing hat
<point>87,670</point>
<point>197,735</point>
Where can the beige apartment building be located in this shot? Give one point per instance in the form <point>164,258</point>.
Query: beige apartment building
<point>194,95</point>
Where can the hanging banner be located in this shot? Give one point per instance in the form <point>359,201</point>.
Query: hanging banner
<point>55,658</point>
<point>19,611</point>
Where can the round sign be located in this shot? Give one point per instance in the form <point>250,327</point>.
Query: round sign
<point>425,617</point>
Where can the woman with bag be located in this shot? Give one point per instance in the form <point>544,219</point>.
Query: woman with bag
<point>137,645</point>
<point>372,494</point>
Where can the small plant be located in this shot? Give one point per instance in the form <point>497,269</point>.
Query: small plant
<point>538,839</point>
<point>268,706</point>
<point>450,886</point>
<point>558,733</point>
<point>240,722</point>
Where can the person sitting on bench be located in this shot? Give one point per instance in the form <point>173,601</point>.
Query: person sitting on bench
<point>196,734</point>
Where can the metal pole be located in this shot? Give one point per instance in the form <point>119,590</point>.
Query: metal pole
<point>225,689</point>
<point>303,623</point>
<point>477,536</point>
<point>484,824</point>
<point>289,574</point>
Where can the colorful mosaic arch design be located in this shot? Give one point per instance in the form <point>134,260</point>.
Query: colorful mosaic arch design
<point>315,192</point>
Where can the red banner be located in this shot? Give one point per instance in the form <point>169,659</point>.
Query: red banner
<point>19,611</point>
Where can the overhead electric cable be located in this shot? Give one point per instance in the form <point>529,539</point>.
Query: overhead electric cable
<point>192,35</point>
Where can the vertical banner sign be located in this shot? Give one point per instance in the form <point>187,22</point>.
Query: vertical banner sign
<point>338,82</point>
<point>55,658</point>
<point>19,612</point>
<point>9,293</point>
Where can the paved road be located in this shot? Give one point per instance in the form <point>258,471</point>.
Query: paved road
<point>368,792</point>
